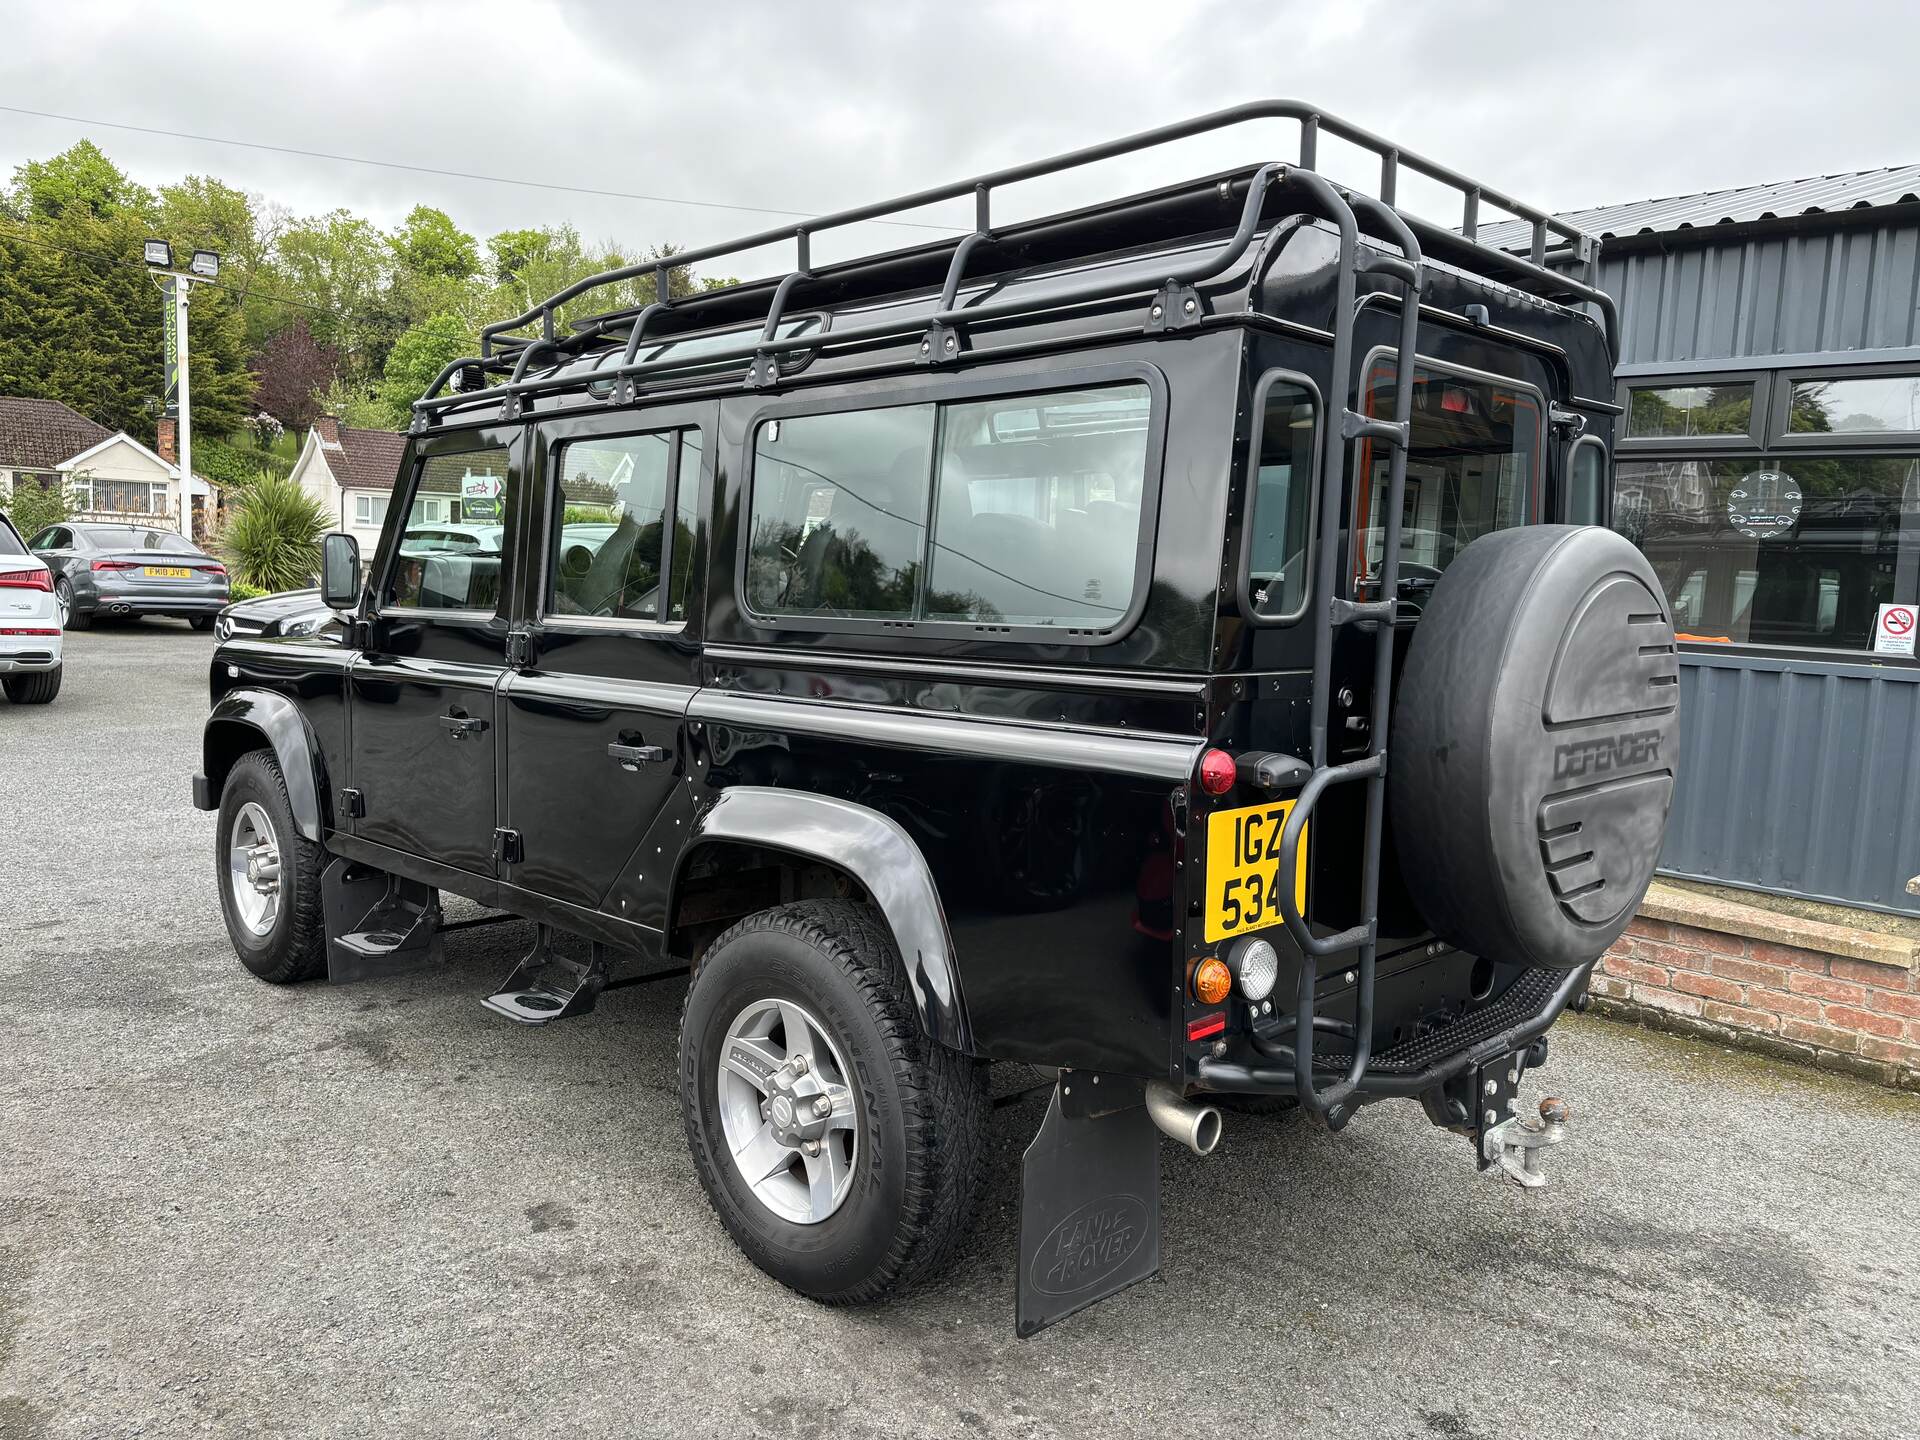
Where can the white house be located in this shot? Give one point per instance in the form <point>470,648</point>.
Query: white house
<point>112,475</point>
<point>352,473</point>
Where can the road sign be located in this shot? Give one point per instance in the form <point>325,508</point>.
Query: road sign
<point>1893,630</point>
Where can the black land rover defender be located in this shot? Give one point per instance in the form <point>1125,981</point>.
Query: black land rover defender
<point>1169,643</point>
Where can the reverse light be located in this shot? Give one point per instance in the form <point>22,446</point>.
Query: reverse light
<point>26,580</point>
<point>1255,967</point>
<point>1217,772</point>
<point>1212,981</point>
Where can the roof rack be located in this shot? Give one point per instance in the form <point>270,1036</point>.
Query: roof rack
<point>501,352</point>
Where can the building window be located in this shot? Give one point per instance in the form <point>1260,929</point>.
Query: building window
<point>1870,405</point>
<point>371,510</point>
<point>1685,412</point>
<point>1792,550</point>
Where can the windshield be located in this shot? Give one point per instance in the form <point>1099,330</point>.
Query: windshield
<point>1473,467</point>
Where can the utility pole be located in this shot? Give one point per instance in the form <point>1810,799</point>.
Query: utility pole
<point>204,267</point>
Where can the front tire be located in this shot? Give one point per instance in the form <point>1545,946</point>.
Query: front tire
<point>884,1199</point>
<point>38,688</point>
<point>202,622</point>
<point>269,875</point>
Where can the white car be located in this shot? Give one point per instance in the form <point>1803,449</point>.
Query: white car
<point>29,623</point>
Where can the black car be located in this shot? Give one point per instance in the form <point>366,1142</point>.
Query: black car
<point>287,612</point>
<point>101,568</point>
<point>1170,644</point>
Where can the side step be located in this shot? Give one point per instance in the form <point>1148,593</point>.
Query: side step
<point>377,924</point>
<point>547,985</point>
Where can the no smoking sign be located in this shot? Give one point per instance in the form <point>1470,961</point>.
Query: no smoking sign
<point>1893,630</point>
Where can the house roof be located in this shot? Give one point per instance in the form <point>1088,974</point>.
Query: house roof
<point>364,459</point>
<point>1777,200</point>
<point>41,434</point>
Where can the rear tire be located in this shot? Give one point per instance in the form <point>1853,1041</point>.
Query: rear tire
<point>36,689</point>
<point>289,943</point>
<point>919,1110</point>
<point>77,619</point>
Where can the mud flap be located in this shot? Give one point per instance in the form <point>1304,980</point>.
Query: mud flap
<point>1089,1199</point>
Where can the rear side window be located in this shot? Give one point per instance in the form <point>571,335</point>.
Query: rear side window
<point>1473,467</point>
<point>1587,483</point>
<point>1280,502</point>
<point>1011,511</point>
<point>10,542</point>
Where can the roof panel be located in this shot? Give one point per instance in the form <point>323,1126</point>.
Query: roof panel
<point>1816,195</point>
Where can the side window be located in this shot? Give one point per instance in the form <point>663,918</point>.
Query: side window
<point>1587,483</point>
<point>475,485</point>
<point>1010,511</point>
<point>685,523</point>
<point>611,537</point>
<point>371,510</point>
<point>1280,503</point>
<point>840,513</point>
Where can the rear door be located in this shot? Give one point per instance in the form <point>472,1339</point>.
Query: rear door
<point>595,717</point>
<point>423,691</point>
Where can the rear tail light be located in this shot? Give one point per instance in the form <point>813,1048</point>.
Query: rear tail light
<point>212,567</point>
<point>16,630</point>
<point>26,580</point>
<point>1207,1025</point>
<point>1216,772</point>
<point>115,565</point>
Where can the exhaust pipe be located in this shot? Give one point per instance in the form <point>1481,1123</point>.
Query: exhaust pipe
<point>119,609</point>
<point>1195,1126</point>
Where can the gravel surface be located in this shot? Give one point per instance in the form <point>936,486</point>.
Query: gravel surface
<point>232,1209</point>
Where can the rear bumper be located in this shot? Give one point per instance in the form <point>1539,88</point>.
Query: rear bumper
<point>1514,1020</point>
<point>29,654</point>
<point>111,604</point>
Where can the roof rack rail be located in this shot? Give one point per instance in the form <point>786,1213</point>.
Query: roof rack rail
<point>942,339</point>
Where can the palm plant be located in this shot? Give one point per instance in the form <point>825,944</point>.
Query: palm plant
<point>272,541</point>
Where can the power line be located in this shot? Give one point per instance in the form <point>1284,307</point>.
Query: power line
<point>245,293</point>
<point>457,174</point>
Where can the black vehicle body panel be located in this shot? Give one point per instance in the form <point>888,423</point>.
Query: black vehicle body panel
<point>1021,809</point>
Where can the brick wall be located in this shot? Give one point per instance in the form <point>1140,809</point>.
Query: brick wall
<point>1859,1016</point>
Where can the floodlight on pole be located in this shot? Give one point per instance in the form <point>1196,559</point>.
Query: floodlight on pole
<point>203,268</point>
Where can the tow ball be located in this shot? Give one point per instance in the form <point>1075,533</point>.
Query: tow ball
<point>1514,1145</point>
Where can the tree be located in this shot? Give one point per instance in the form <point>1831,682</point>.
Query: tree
<point>79,181</point>
<point>417,357</point>
<point>431,246</point>
<point>338,266</point>
<point>291,367</point>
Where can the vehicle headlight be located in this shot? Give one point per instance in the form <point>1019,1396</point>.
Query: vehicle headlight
<point>300,627</point>
<point>1255,967</point>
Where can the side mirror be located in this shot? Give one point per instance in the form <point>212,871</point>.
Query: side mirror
<point>340,571</point>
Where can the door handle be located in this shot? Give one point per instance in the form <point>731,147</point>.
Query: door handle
<point>461,726</point>
<point>632,757</point>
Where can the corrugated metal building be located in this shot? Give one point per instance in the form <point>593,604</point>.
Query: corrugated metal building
<point>1769,465</point>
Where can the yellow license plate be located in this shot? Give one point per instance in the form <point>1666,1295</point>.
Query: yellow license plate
<point>1243,869</point>
<point>168,572</point>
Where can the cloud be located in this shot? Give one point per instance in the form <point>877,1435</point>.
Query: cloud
<point>817,106</point>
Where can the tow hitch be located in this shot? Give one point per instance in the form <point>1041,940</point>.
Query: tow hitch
<point>1515,1145</point>
<point>1478,1103</point>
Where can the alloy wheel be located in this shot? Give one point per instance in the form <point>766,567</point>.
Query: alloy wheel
<point>787,1111</point>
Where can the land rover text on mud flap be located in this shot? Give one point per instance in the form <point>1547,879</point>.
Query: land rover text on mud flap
<point>1171,643</point>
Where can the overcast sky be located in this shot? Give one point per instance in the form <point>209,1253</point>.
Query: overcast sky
<point>812,107</point>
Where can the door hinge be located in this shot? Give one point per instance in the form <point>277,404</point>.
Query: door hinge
<point>353,805</point>
<point>506,846</point>
<point>519,649</point>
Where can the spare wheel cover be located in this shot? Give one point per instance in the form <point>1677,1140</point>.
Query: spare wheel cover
<point>1535,734</point>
